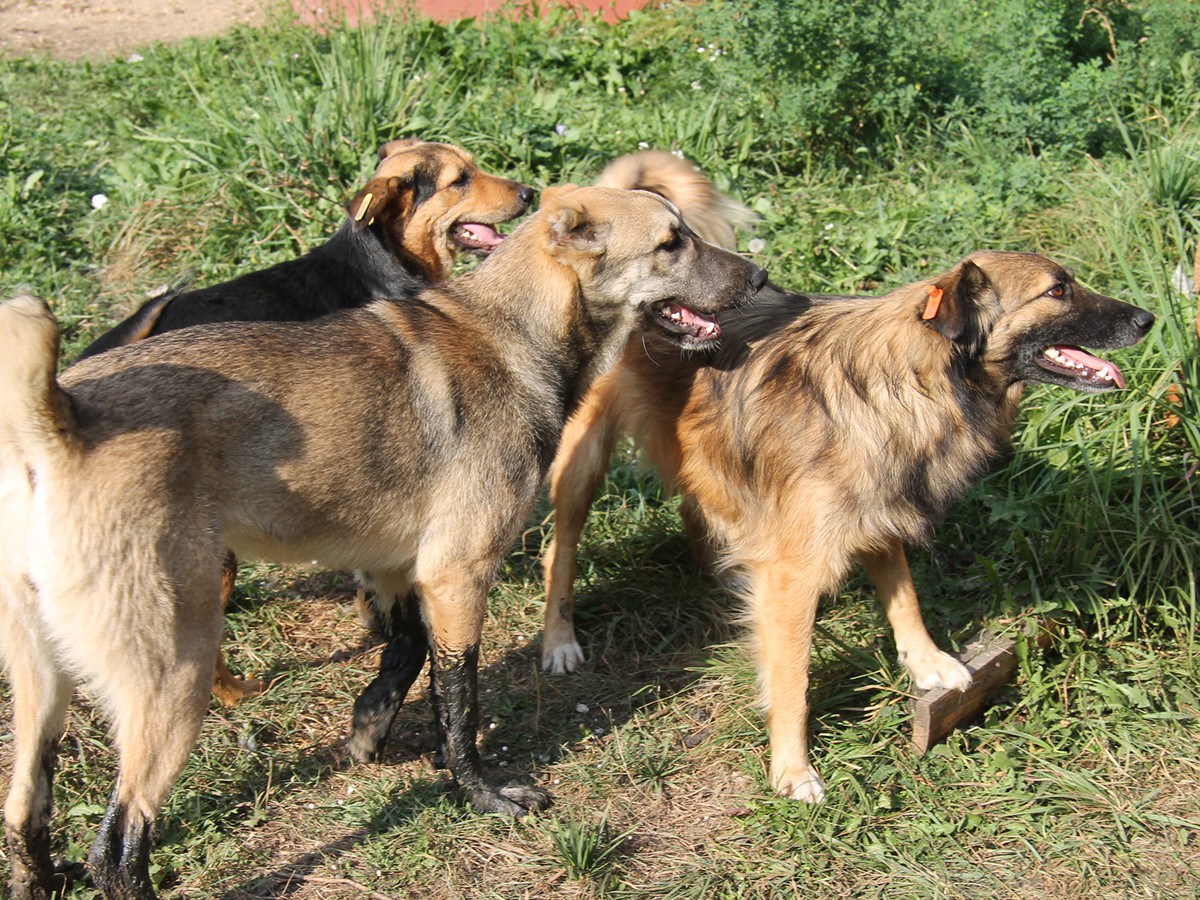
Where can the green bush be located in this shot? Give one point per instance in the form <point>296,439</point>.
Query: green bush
<point>840,76</point>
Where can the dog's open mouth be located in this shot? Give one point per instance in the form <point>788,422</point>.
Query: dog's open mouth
<point>476,237</point>
<point>1078,364</point>
<point>681,320</point>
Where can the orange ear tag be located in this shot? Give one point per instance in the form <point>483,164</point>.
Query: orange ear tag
<point>934,302</point>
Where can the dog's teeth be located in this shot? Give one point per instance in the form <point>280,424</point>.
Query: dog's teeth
<point>1058,358</point>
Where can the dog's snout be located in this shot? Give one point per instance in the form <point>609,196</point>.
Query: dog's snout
<point>1143,319</point>
<point>525,195</point>
<point>758,277</point>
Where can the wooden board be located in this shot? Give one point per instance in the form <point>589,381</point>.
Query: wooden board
<point>992,661</point>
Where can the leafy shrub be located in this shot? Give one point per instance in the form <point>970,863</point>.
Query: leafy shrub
<point>836,76</point>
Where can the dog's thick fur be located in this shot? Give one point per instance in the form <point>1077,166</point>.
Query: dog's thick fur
<point>827,429</point>
<point>426,203</point>
<point>408,439</point>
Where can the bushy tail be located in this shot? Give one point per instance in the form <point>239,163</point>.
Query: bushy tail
<point>708,212</point>
<point>35,414</point>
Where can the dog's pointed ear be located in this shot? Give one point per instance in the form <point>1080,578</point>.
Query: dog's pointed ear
<point>570,226</point>
<point>961,306</point>
<point>395,146</point>
<point>382,199</point>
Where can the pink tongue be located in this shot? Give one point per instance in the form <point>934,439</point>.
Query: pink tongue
<point>1083,358</point>
<point>700,322</point>
<point>480,234</point>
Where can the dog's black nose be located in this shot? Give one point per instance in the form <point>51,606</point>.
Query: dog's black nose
<point>525,195</point>
<point>758,278</point>
<point>1143,319</point>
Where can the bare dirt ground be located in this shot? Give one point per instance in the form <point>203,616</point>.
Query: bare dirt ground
<point>101,29</point>
<point>98,29</point>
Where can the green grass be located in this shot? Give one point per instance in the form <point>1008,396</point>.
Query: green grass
<point>1081,780</point>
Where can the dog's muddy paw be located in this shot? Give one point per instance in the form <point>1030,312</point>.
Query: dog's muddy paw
<point>508,799</point>
<point>563,659</point>
<point>937,670</point>
<point>67,875</point>
<point>366,746</point>
<point>804,785</point>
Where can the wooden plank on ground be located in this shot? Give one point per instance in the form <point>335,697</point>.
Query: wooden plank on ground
<point>992,661</point>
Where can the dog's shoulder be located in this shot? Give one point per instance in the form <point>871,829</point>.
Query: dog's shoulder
<point>772,310</point>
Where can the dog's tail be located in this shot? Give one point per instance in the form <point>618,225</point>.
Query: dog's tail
<point>708,212</point>
<point>139,326</point>
<point>35,413</point>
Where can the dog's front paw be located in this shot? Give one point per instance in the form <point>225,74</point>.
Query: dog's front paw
<point>364,747</point>
<point>937,669</point>
<point>369,734</point>
<point>511,800</point>
<point>801,784</point>
<point>562,659</point>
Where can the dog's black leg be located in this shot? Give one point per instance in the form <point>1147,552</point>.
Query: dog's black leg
<point>120,856</point>
<point>439,724</point>
<point>455,687</point>
<point>33,873</point>
<point>376,707</point>
<point>32,868</point>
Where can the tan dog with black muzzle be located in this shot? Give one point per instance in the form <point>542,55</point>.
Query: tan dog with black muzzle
<point>409,439</point>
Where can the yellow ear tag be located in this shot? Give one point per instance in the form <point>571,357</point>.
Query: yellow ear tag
<point>934,302</point>
<point>362,210</point>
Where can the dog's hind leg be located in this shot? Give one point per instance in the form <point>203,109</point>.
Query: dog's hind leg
<point>928,666</point>
<point>579,470</point>
<point>401,663</point>
<point>154,734</point>
<point>454,604</point>
<point>41,695</point>
<point>152,669</point>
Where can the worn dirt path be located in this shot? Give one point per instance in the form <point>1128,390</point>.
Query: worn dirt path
<point>101,29</point>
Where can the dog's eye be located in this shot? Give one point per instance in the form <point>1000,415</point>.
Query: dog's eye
<point>462,180</point>
<point>1057,292</point>
<point>672,243</point>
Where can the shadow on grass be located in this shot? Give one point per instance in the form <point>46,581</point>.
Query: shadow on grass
<point>649,622</point>
<point>647,629</point>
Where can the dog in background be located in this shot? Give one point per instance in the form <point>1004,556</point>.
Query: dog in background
<point>426,203</point>
<point>409,440</point>
<point>826,429</point>
<point>713,215</point>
